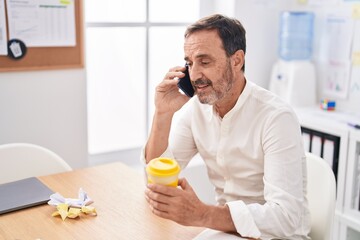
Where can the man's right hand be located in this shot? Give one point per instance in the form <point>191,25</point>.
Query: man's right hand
<point>168,99</point>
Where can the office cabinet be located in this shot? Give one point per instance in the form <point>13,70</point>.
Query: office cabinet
<point>352,192</point>
<point>328,135</point>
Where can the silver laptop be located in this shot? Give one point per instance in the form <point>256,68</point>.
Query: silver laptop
<point>22,194</point>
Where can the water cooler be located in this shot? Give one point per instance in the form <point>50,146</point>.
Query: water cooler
<point>293,76</point>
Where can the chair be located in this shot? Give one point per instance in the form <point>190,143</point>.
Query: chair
<point>23,160</point>
<point>321,196</point>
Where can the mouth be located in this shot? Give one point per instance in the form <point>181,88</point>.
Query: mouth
<point>201,85</point>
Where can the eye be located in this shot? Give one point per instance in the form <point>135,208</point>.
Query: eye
<point>205,62</point>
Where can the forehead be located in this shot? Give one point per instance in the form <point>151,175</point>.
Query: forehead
<point>203,42</point>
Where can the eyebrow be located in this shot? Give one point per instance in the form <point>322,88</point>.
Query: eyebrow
<point>203,55</point>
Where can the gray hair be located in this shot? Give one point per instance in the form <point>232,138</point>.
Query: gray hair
<point>230,30</point>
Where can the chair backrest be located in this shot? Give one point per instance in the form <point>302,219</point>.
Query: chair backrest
<point>321,196</point>
<point>23,160</point>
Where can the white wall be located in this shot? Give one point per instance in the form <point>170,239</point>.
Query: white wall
<point>46,108</point>
<point>261,27</point>
<point>261,21</point>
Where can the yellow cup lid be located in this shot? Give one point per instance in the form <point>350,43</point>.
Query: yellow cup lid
<point>163,167</point>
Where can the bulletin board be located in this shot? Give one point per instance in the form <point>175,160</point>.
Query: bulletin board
<point>43,58</point>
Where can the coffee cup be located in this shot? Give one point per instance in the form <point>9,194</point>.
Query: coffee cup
<point>163,171</point>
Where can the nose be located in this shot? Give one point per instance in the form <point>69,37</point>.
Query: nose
<point>195,72</point>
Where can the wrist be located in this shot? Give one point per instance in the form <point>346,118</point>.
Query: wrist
<point>219,218</point>
<point>162,120</point>
<point>163,114</point>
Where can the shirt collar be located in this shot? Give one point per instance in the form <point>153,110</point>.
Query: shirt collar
<point>210,113</point>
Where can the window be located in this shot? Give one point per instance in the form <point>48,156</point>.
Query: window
<point>129,47</point>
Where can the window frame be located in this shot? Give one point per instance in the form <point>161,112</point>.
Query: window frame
<point>205,8</point>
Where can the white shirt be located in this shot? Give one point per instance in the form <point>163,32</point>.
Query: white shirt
<point>255,159</point>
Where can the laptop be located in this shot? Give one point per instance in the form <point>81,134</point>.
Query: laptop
<point>22,194</point>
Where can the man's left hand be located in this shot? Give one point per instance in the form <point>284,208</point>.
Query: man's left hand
<point>178,204</point>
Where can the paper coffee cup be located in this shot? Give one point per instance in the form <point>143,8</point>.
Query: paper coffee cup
<point>163,171</point>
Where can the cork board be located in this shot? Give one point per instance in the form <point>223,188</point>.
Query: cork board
<point>43,58</point>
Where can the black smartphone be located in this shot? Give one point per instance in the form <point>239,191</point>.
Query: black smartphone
<point>185,84</point>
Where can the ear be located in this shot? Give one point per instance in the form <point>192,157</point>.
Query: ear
<point>238,59</point>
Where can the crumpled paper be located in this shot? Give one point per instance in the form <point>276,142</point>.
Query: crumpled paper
<point>83,200</point>
<point>72,207</point>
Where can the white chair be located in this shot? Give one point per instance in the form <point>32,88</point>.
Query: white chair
<point>321,196</point>
<point>23,160</point>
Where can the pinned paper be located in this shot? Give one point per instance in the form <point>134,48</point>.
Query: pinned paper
<point>71,207</point>
<point>302,1</point>
<point>356,58</point>
<point>356,11</point>
<point>65,2</point>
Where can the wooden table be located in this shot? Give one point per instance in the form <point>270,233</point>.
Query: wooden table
<point>118,194</point>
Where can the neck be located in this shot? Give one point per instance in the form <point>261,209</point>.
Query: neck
<point>223,106</point>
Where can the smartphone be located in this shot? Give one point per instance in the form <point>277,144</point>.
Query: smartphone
<point>185,84</point>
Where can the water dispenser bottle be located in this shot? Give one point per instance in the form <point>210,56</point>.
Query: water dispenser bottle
<point>296,34</point>
<point>293,76</point>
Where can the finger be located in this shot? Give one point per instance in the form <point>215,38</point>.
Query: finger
<point>158,197</point>
<point>174,75</point>
<point>165,190</point>
<point>163,207</point>
<point>159,213</point>
<point>167,83</point>
<point>177,69</point>
<point>175,72</point>
<point>155,205</point>
<point>184,184</point>
<point>158,188</point>
<point>181,181</point>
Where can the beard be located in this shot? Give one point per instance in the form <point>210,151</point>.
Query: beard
<point>218,89</point>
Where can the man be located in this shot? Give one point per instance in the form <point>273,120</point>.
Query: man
<point>249,140</point>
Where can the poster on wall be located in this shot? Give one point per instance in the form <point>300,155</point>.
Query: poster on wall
<point>355,72</point>
<point>335,55</point>
<point>42,23</point>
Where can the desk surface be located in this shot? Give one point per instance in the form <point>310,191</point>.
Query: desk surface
<point>118,194</point>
